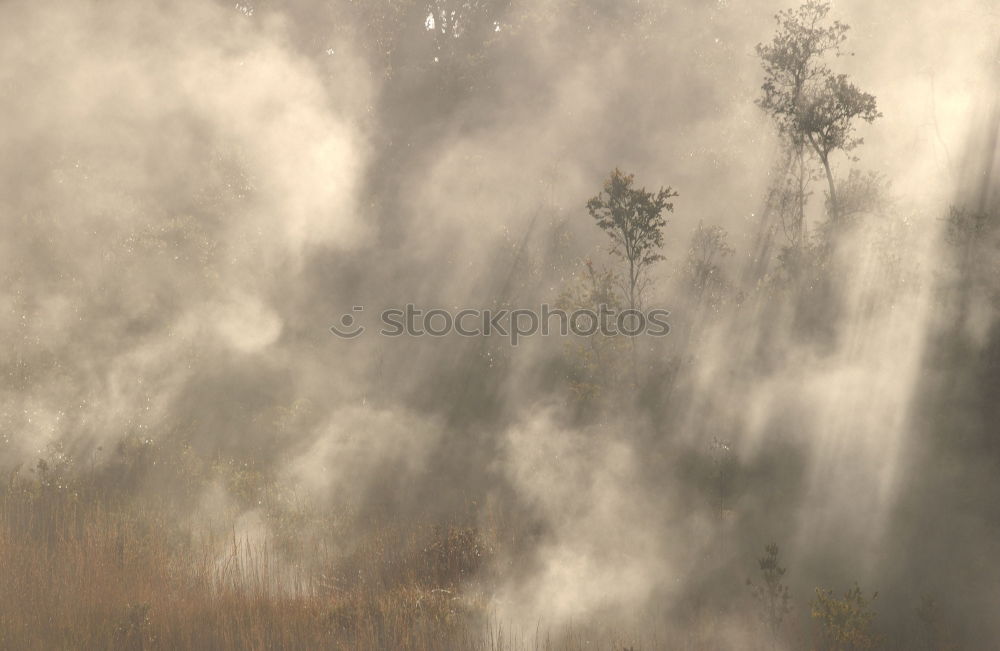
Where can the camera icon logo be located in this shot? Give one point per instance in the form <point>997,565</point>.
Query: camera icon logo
<point>347,329</point>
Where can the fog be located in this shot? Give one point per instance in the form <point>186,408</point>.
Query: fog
<point>193,193</point>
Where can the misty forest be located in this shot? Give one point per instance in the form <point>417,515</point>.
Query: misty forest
<point>209,440</point>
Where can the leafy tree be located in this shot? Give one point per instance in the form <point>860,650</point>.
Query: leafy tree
<point>813,107</point>
<point>703,271</point>
<point>633,219</point>
<point>828,118</point>
<point>772,596</point>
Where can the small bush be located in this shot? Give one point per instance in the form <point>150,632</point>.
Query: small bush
<point>845,624</point>
<point>772,596</point>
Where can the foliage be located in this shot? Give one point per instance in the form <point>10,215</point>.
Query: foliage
<point>974,237</point>
<point>845,624</point>
<point>633,219</point>
<point>595,359</point>
<point>827,114</point>
<point>812,106</point>
<point>703,271</point>
<point>772,596</point>
<point>861,193</point>
<point>790,193</point>
<point>964,226</point>
<point>792,61</point>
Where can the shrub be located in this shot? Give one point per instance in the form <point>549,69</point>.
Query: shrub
<point>772,596</point>
<point>845,624</point>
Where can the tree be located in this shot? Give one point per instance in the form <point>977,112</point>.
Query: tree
<point>813,108</point>
<point>633,219</point>
<point>703,271</point>
<point>827,119</point>
<point>789,195</point>
<point>773,597</point>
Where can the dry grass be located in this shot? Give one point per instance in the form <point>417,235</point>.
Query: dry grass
<point>126,556</point>
<point>83,569</point>
<point>82,574</point>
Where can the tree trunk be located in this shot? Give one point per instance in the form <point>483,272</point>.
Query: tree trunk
<point>834,208</point>
<point>824,158</point>
<point>631,304</point>
<point>631,284</point>
<point>802,197</point>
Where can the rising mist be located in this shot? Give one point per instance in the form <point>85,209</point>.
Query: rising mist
<point>194,193</point>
